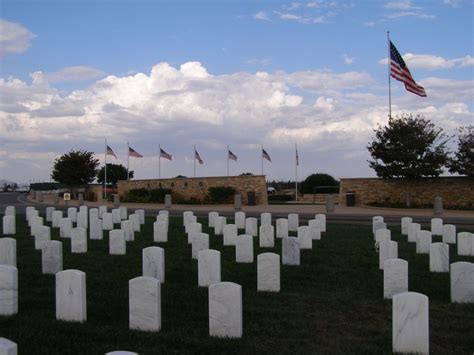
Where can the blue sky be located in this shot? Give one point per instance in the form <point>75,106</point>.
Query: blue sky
<point>218,73</point>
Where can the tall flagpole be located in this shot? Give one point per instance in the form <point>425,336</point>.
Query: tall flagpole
<point>227,160</point>
<point>389,86</point>
<point>105,171</point>
<point>159,161</point>
<point>128,160</point>
<point>296,173</point>
<point>194,160</point>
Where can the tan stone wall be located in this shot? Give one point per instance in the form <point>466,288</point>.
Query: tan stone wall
<point>455,191</point>
<point>198,187</point>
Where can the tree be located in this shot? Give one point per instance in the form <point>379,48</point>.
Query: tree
<point>463,161</point>
<point>408,147</point>
<point>115,172</point>
<point>75,169</point>
<point>318,179</point>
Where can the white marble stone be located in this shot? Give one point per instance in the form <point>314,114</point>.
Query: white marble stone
<point>153,263</point>
<point>379,225</point>
<point>9,225</point>
<point>84,209</point>
<point>35,224</point>
<point>128,232</point>
<point>230,234</point>
<point>244,249</point>
<point>388,249</point>
<point>82,218</point>
<point>72,214</point>
<point>267,236</point>
<point>449,233</point>
<point>8,347</point>
<point>123,212</point>
<point>187,217</point>
<point>52,257</point>
<point>265,219</point>
<point>116,216</point>
<point>240,220</point>
<point>107,221</point>
<point>439,257</point>
<point>141,216</point>
<point>117,244</point>
<point>79,240</point>
<point>375,220</point>
<point>164,218</point>
<point>462,282</point>
<point>8,290</point>
<point>96,232</point>
<point>410,323</point>
<point>209,267</point>
<point>57,216</point>
<point>135,219</point>
<point>199,242</point>
<point>405,223</point>
<point>8,251</point>
<point>33,213</point>
<point>395,277</point>
<point>281,228</point>
<point>268,272</point>
<point>465,243</point>
<point>413,229</point>
<point>290,251</point>
<point>10,211</point>
<point>102,210</point>
<point>193,228</point>
<point>121,352</point>
<point>305,238</point>
<point>423,242</point>
<point>382,234</point>
<point>225,310</point>
<point>145,304</point>
<point>211,218</point>
<point>65,227</point>
<point>71,302</point>
<point>219,223</point>
<point>315,229</point>
<point>251,226</point>
<point>160,231</point>
<point>293,222</point>
<point>164,212</point>
<point>436,226</point>
<point>49,213</point>
<point>29,211</point>
<point>322,220</point>
<point>42,236</point>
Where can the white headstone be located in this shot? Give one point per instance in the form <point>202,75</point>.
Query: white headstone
<point>293,222</point>
<point>82,220</point>
<point>265,219</point>
<point>281,228</point>
<point>123,212</point>
<point>405,223</point>
<point>107,221</point>
<point>219,223</point>
<point>141,216</point>
<point>193,228</point>
<point>117,244</point>
<point>52,257</point>
<point>71,296</point>
<point>465,243</point>
<point>153,263</point>
<point>187,217</point>
<point>290,251</point>
<point>230,234</point>
<point>211,218</point>
<point>439,257</point>
<point>8,290</point>
<point>7,347</point>
<point>9,225</point>
<point>79,240</point>
<point>57,216</point>
<point>145,304</point>
<point>462,282</point>
<point>29,211</point>
<point>423,242</point>
<point>322,220</point>
<point>128,232</point>
<point>36,223</point>
<point>410,323</point>
<point>225,310</point>
<point>84,209</point>
<point>135,219</point>
<point>10,211</point>
<point>436,226</point>
<point>449,233</point>
<point>209,267</point>
<point>382,234</point>
<point>395,277</point>
<point>96,231</point>
<point>388,249</point>
<point>267,236</point>
<point>164,212</point>
<point>102,210</point>
<point>375,220</point>
<point>199,242</point>
<point>413,229</point>
<point>244,249</point>
<point>160,231</point>
<point>251,226</point>
<point>163,218</point>
<point>49,213</point>
<point>42,236</point>
<point>72,214</point>
<point>8,251</point>
<point>65,227</point>
<point>116,216</point>
<point>240,220</point>
<point>305,238</point>
<point>268,272</point>
<point>121,352</point>
<point>377,226</point>
<point>315,229</point>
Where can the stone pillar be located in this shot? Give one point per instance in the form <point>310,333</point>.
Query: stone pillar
<point>330,203</point>
<point>40,197</point>
<point>168,201</point>
<point>438,206</point>
<point>33,194</point>
<point>56,199</point>
<point>80,199</point>
<point>116,200</point>
<point>237,202</point>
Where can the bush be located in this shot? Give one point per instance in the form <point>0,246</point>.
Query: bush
<point>223,194</point>
<point>158,195</point>
<point>146,195</point>
<point>326,190</point>
<point>317,180</point>
<point>280,198</point>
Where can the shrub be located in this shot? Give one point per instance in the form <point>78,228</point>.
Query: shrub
<point>146,195</point>
<point>222,194</point>
<point>158,195</point>
<point>280,198</point>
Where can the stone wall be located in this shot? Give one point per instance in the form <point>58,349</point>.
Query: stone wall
<point>198,187</point>
<point>455,191</point>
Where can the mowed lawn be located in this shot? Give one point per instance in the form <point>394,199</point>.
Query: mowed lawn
<point>332,303</point>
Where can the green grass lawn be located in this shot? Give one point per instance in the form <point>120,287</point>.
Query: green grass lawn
<point>332,303</point>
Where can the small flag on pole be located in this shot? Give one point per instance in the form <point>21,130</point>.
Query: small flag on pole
<point>111,152</point>
<point>399,71</point>
<point>198,157</point>
<point>265,155</point>
<point>231,155</point>
<point>165,155</point>
<point>297,158</point>
<point>133,153</point>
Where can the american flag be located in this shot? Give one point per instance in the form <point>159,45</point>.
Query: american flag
<point>297,158</point>
<point>198,157</point>
<point>265,155</point>
<point>133,153</point>
<point>165,155</point>
<point>111,152</point>
<point>399,71</point>
<point>231,155</point>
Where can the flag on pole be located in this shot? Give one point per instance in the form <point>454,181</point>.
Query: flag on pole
<point>265,155</point>
<point>297,158</point>
<point>111,152</point>
<point>165,155</point>
<point>198,157</point>
<point>231,155</point>
<point>133,153</point>
<point>399,71</point>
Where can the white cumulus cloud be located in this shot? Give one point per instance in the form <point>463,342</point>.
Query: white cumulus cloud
<point>14,38</point>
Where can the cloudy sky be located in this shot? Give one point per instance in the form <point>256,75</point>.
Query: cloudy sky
<point>217,73</point>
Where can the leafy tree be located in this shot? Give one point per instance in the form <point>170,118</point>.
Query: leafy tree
<point>75,169</point>
<point>463,161</point>
<point>318,179</point>
<point>115,172</point>
<point>408,147</point>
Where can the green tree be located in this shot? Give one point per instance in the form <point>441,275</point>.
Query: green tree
<point>410,148</point>
<point>75,169</point>
<point>115,172</point>
<point>463,161</point>
<point>318,179</point>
